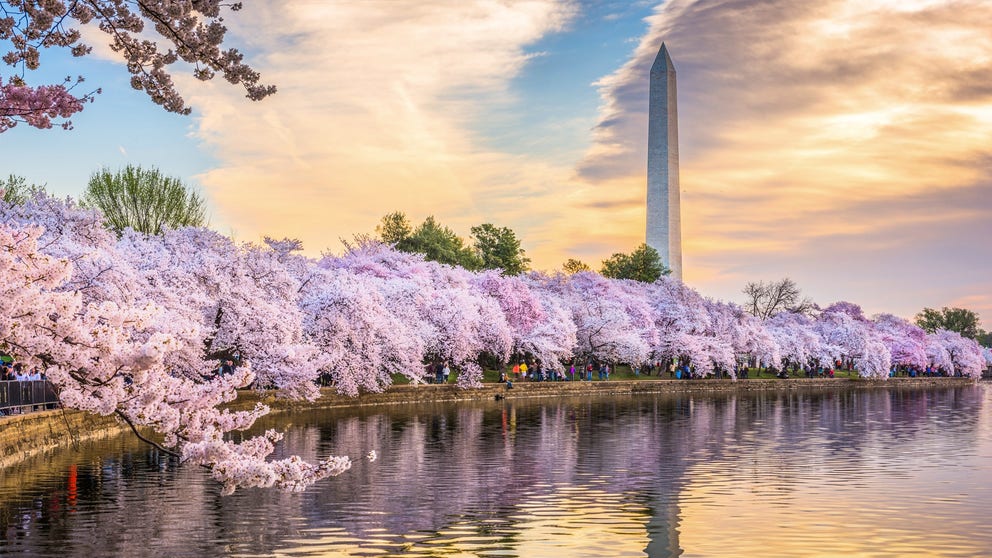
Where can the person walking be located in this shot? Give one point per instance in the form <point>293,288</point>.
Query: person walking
<point>446,372</point>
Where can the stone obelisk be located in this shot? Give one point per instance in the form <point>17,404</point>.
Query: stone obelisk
<point>664,231</point>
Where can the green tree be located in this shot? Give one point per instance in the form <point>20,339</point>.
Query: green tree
<point>437,243</point>
<point>17,191</point>
<point>499,248</point>
<point>144,199</point>
<point>643,264</point>
<point>985,338</point>
<point>960,320</point>
<point>394,228</point>
<point>573,266</point>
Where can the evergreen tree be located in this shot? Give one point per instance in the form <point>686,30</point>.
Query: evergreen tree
<point>499,248</point>
<point>434,241</point>
<point>394,228</point>
<point>643,264</point>
<point>440,244</point>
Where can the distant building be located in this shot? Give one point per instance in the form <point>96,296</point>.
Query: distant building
<point>664,220</point>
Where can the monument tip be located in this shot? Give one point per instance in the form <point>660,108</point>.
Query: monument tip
<point>663,61</point>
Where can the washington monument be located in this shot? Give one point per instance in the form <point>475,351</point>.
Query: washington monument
<point>664,231</point>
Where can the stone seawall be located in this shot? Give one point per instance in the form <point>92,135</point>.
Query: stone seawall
<point>23,436</point>
<point>429,393</point>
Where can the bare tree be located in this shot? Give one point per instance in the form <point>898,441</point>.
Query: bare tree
<point>765,299</point>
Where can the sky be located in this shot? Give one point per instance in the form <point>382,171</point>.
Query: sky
<point>846,144</point>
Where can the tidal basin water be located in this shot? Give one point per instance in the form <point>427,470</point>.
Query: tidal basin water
<point>883,472</point>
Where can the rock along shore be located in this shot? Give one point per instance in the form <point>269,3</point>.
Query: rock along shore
<point>23,436</point>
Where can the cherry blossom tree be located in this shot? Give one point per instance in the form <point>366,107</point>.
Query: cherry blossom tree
<point>133,327</point>
<point>848,334</point>
<point>541,326</point>
<point>743,334</point>
<point>938,356</point>
<point>610,326</point>
<point>798,340</point>
<point>125,327</point>
<point>453,320</point>
<point>964,355</point>
<point>241,298</point>
<point>39,106</point>
<point>682,320</point>
<point>906,341</point>
<point>360,341</point>
<point>77,235</point>
<point>109,359</point>
<point>150,36</point>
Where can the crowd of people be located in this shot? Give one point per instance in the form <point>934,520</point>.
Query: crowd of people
<point>15,372</point>
<point>438,372</point>
<point>17,393</point>
<point>535,372</point>
<point>682,369</point>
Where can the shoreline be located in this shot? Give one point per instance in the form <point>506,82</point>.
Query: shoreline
<point>430,393</point>
<point>32,434</point>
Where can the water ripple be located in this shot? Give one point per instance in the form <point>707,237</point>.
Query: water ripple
<point>870,473</point>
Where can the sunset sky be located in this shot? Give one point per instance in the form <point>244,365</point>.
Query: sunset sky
<point>846,144</point>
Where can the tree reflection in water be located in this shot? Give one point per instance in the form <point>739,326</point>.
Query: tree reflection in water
<point>633,475</point>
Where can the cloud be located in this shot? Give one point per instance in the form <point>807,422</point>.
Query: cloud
<point>814,133</point>
<point>376,111</point>
<point>844,143</point>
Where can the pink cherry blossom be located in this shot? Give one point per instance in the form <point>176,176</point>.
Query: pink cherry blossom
<point>798,340</point>
<point>847,334</point>
<point>960,355</point>
<point>134,327</point>
<point>151,36</point>
<point>610,324</point>
<point>109,359</point>
<point>39,106</point>
<point>905,341</point>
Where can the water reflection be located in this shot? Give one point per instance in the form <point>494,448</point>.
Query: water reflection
<point>891,472</point>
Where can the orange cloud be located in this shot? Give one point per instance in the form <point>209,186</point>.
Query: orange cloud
<point>374,114</point>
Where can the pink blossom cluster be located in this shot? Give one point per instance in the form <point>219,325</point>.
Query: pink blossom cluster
<point>38,106</point>
<point>134,327</point>
<point>150,36</point>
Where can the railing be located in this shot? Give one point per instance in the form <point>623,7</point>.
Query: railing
<point>22,397</point>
